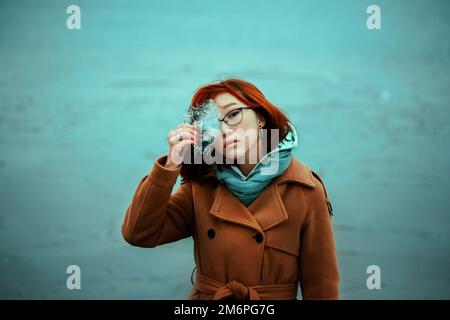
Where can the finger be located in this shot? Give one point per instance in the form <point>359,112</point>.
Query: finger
<point>174,139</point>
<point>191,126</point>
<point>186,125</point>
<point>185,135</point>
<point>178,150</point>
<point>188,129</point>
<point>180,145</point>
<point>178,137</point>
<point>176,132</point>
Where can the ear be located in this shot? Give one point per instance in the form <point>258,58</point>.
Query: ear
<point>261,121</point>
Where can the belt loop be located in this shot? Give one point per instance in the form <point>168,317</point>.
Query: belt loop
<point>193,284</point>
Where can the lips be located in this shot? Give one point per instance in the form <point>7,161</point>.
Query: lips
<point>230,142</point>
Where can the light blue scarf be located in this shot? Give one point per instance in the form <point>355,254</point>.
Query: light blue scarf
<point>273,164</point>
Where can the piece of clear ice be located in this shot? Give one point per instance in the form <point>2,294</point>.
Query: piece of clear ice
<point>206,116</point>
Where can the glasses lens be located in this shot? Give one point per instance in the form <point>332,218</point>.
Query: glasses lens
<point>233,117</point>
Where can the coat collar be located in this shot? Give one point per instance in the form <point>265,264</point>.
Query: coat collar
<point>266,211</point>
<point>297,172</point>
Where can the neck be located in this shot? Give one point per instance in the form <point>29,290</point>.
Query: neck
<point>246,168</point>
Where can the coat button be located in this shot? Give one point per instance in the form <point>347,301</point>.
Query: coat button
<point>259,237</point>
<point>211,233</point>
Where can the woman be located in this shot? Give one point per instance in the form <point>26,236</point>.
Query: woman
<point>259,230</point>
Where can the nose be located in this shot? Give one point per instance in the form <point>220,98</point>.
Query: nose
<point>226,129</point>
<point>227,132</point>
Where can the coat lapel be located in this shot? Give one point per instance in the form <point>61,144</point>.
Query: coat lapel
<point>266,211</point>
<point>228,207</point>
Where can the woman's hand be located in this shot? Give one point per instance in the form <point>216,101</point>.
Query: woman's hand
<point>179,140</point>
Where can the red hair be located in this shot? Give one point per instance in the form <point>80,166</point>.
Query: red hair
<point>253,98</point>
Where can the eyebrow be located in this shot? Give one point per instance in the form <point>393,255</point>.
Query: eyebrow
<point>229,105</point>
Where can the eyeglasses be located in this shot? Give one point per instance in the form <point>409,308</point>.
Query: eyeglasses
<point>234,117</point>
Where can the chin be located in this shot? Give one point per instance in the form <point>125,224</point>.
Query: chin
<point>235,154</point>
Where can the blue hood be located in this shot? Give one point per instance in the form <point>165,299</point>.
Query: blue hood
<point>288,143</point>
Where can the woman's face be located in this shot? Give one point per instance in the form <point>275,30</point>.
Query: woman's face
<point>240,141</point>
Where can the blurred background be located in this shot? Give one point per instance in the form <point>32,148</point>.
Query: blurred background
<point>84,114</point>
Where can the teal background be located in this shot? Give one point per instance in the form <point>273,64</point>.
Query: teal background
<point>84,114</point>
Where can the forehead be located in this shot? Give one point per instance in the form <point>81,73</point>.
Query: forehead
<point>226,101</point>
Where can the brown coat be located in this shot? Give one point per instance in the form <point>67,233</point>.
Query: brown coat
<point>263,251</point>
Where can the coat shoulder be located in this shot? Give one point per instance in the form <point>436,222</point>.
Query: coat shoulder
<point>322,190</point>
<point>301,173</point>
<point>298,173</point>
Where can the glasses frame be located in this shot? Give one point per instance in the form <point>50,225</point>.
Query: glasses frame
<point>242,116</point>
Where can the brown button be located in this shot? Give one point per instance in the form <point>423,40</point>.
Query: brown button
<point>258,237</point>
<point>211,233</point>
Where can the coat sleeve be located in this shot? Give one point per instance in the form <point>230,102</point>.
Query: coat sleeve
<point>155,215</point>
<point>318,265</point>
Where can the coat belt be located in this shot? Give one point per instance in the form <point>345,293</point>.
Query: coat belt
<point>237,290</point>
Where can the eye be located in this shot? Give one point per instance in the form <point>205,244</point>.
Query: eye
<point>233,114</point>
